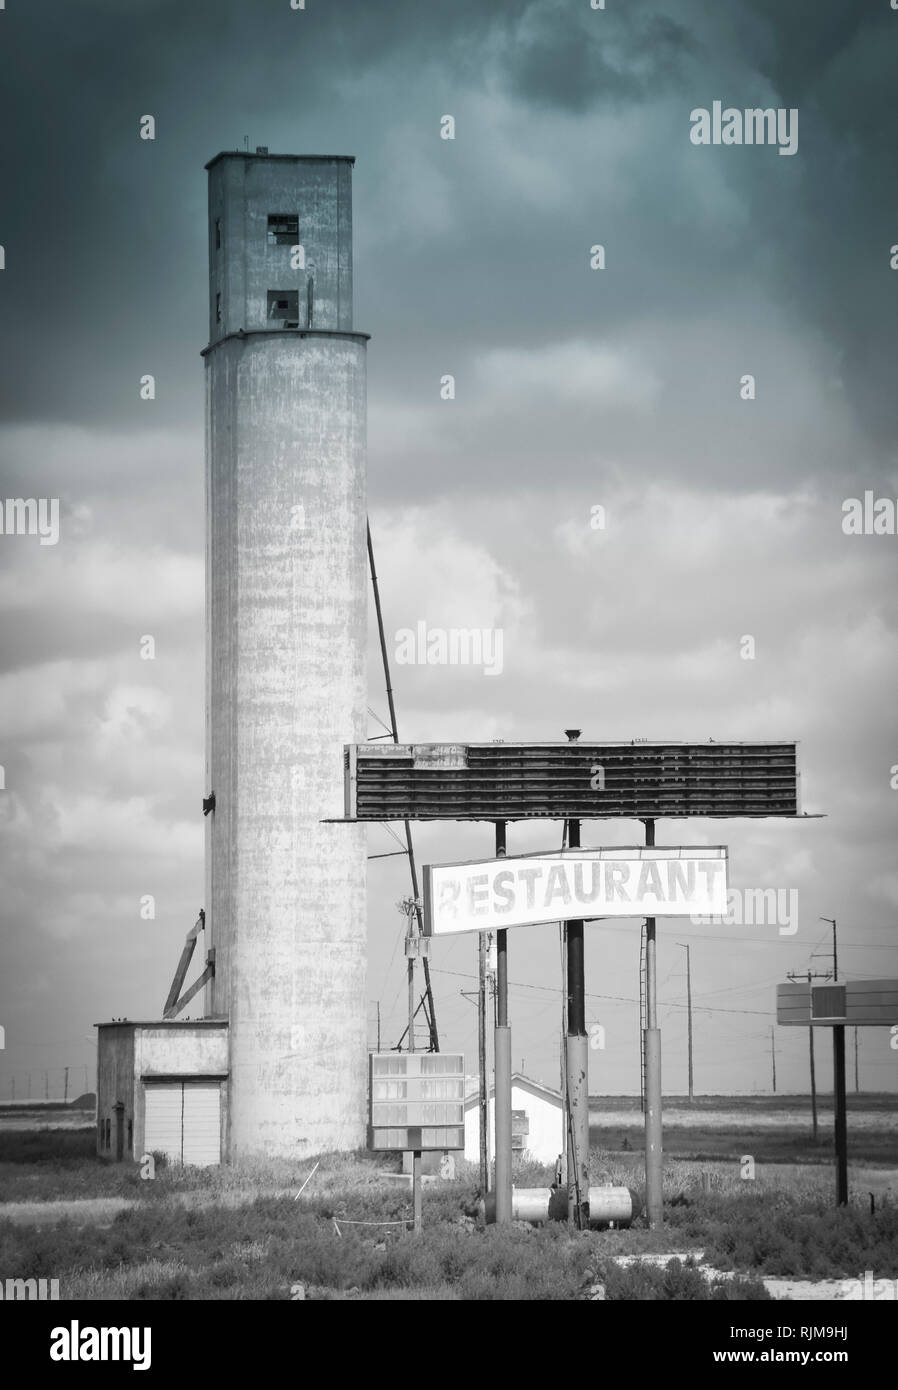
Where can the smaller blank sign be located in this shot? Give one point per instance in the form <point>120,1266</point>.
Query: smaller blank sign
<point>416,1101</point>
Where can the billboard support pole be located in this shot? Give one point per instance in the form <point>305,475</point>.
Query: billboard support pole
<point>654,1202</point>
<point>484,1102</point>
<point>416,1185</point>
<point>577,1068</point>
<point>841,1127</point>
<point>503,1065</point>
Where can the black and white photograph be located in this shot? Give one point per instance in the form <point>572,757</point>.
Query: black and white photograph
<point>449,686</point>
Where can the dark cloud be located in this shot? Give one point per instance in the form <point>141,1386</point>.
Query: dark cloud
<point>570,56</point>
<point>573,388</point>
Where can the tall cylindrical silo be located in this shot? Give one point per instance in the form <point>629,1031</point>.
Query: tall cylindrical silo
<point>286,643</point>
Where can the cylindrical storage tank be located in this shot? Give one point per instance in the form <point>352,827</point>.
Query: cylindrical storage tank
<point>607,1205</point>
<point>286,621</point>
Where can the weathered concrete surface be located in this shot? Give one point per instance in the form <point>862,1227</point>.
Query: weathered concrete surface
<point>243,191</point>
<point>115,1078</point>
<point>286,681</point>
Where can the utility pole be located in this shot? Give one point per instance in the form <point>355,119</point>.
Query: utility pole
<point>378,1025</point>
<point>66,1090</point>
<point>857,1082</point>
<point>809,976</point>
<point>409,951</point>
<point>654,1197</point>
<point>502,1056</point>
<point>688,1011</point>
<point>813,1081</point>
<point>577,1058</point>
<point>773,1056</point>
<point>410,849</point>
<point>840,1101</point>
<point>481,1061</point>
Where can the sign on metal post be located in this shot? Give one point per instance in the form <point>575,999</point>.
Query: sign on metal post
<point>620,881</point>
<point>853,1004</point>
<point>839,1005</point>
<point>574,781</point>
<point>416,1101</point>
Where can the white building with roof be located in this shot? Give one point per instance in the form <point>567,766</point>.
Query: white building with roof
<point>537,1127</point>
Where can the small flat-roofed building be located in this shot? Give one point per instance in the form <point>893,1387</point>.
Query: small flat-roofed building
<point>162,1089</point>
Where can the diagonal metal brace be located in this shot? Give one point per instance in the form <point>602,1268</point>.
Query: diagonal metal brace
<point>194,989</point>
<point>170,1008</point>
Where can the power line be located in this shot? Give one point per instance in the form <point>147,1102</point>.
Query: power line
<point>616,998</point>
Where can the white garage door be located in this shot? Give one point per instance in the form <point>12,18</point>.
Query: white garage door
<point>164,1105</point>
<point>202,1123</point>
<point>183,1121</point>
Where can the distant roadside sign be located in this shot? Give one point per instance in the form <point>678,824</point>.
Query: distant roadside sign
<point>416,1101</point>
<point>629,881</point>
<point>857,1003</point>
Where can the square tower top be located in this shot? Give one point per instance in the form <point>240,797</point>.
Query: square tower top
<point>280,242</point>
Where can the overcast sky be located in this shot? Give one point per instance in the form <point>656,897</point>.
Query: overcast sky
<point>575,388</point>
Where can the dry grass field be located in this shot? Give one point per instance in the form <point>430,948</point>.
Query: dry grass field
<point>240,1233</point>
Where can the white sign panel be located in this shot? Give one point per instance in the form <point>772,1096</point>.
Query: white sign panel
<point>573,885</point>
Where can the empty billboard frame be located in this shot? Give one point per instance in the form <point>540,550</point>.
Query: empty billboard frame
<point>574,780</point>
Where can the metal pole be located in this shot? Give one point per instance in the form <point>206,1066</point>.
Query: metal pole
<point>577,1068</point>
<point>857,1081</point>
<point>841,1127</point>
<point>654,1200</point>
<point>503,1066</point>
<point>689,1011</point>
<point>416,1189</point>
<point>378,1025</point>
<point>411,1003</point>
<point>481,1061</point>
<point>773,1056</point>
<point>813,1077</point>
<point>840,1098</point>
<point>66,1093</point>
<point>689,1005</point>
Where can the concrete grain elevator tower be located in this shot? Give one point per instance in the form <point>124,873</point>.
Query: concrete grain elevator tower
<point>286,594</point>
